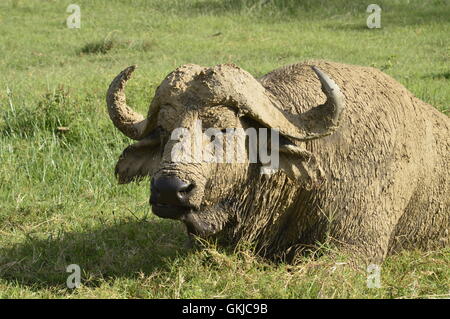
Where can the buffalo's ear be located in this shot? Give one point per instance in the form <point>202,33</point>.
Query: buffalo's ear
<point>301,166</point>
<point>138,160</point>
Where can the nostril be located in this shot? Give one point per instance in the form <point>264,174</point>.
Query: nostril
<point>187,189</point>
<point>184,193</point>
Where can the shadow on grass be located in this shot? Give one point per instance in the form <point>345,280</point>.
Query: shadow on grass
<point>125,249</point>
<point>103,46</point>
<point>351,27</point>
<point>438,76</point>
<point>289,7</point>
<point>398,13</point>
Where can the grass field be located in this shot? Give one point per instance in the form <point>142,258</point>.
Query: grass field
<point>59,201</point>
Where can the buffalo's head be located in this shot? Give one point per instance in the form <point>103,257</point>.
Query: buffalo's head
<point>214,102</point>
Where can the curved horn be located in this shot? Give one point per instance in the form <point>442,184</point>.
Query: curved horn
<point>324,119</point>
<point>129,122</point>
<point>335,99</point>
<point>251,98</point>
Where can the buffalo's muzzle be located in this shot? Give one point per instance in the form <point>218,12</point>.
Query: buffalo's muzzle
<point>170,196</point>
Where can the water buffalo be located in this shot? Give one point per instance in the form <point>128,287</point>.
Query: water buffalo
<point>362,162</point>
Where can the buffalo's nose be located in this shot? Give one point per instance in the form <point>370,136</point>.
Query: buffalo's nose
<point>170,190</point>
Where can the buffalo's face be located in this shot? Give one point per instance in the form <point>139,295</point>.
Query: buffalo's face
<point>190,186</point>
<point>184,142</point>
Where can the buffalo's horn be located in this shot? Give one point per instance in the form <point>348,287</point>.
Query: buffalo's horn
<point>129,122</point>
<point>319,121</point>
<point>335,99</point>
<point>264,107</point>
<point>324,119</point>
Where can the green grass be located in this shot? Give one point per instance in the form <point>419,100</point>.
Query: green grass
<point>59,201</point>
